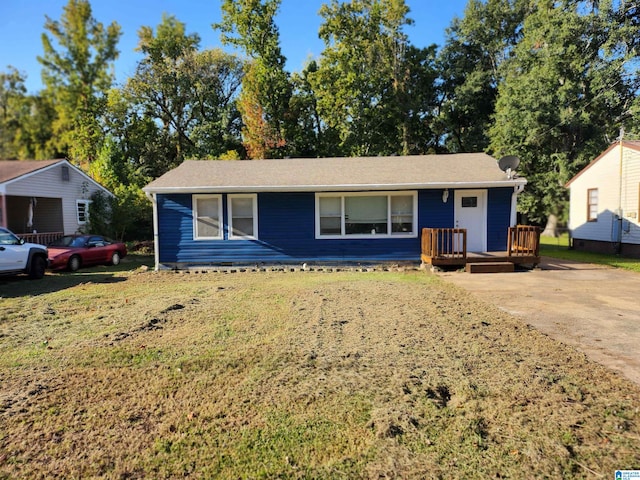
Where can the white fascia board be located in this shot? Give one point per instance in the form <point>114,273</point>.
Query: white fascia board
<point>334,188</point>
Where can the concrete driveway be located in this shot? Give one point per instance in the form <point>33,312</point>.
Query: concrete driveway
<point>591,307</point>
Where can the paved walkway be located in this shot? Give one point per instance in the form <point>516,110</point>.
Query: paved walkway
<point>591,307</point>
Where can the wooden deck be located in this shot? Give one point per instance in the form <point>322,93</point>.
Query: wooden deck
<point>442,247</point>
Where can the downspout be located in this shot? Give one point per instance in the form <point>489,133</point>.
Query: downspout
<point>156,246</point>
<point>619,212</point>
<point>514,204</point>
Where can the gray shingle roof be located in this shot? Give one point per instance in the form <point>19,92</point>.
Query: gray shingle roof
<point>332,174</point>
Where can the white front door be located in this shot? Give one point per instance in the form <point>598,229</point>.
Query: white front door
<point>471,213</point>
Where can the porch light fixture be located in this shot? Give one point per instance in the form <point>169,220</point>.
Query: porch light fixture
<point>445,195</point>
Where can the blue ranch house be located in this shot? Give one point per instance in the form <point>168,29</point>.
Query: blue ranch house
<point>327,210</point>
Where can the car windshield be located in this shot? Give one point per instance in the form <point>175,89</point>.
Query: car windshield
<point>69,241</point>
<point>8,238</point>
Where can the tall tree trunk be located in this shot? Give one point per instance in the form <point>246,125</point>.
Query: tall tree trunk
<point>551,228</point>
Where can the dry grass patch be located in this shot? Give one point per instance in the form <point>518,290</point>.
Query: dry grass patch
<point>300,375</point>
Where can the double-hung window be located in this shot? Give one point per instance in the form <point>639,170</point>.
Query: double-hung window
<point>371,214</point>
<point>207,217</point>
<point>82,211</point>
<point>243,216</point>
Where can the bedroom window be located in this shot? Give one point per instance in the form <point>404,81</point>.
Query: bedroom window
<point>592,205</point>
<point>82,211</point>
<point>365,215</point>
<point>207,217</point>
<point>243,216</point>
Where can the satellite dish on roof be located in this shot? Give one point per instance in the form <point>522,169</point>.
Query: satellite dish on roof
<point>508,164</point>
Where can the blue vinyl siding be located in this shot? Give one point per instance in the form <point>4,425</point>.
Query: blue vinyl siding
<point>286,232</point>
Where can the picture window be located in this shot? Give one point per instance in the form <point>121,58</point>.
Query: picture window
<point>379,215</point>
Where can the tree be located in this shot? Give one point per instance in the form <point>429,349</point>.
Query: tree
<point>418,100</point>
<point>311,137</point>
<point>368,77</point>
<point>12,99</point>
<point>470,70</point>
<point>25,120</point>
<point>266,88</point>
<point>33,137</point>
<point>189,94</point>
<point>77,72</point>
<point>125,216</point>
<point>565,93</point>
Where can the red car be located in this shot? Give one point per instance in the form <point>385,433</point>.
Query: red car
<point>75,251</point>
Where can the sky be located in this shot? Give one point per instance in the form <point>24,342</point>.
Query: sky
<point>22,25</point>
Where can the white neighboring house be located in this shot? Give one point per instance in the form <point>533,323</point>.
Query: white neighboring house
<point>604,213</point>
<point>41,200</point>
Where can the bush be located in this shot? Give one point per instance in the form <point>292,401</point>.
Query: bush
<point>127,216</point>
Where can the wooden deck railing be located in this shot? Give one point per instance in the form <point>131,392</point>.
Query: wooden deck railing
<point>448,247</point>
<point>446,244</point>
<point>42,238</point>
<point>523,241</point>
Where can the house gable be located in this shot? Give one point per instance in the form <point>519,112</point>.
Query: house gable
<point>605,198</point>
<point>630,145</point>
<point>60,189</point>
<point>13,169</point>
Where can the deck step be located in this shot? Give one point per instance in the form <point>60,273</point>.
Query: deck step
<point>490,267</point>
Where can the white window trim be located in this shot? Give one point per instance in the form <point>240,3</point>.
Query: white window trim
<point>377,236</point>
<point>254,204</point>
<point>194,208</point>
<point>86,204</point>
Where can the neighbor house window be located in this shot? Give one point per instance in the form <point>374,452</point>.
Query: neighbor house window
<point>207,217</point>
<point>82,211</point>
<point>592,204</point>
<point>366,214</point>
<point>243,216</point>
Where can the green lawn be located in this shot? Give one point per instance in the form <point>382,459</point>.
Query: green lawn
<point>559,248</point>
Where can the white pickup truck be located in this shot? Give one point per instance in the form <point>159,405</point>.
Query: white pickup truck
<point>17,256</point>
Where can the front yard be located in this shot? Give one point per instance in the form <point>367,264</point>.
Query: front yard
<point>133,374</point>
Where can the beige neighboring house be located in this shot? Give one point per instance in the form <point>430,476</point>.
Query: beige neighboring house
<point>604,211</point>
<point>41,200</point>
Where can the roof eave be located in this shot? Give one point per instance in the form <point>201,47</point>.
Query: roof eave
<point>333,188</point>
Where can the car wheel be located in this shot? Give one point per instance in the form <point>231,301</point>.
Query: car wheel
<point>38,266</point>
<point>74,263</point>
<point>115,258</point>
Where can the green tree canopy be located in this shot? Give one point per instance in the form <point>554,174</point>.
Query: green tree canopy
<point>470,70</point>
<point>77,72</point>
<point>565,94</point>
<point>12,99</point>
<point>179,104</point>
<point>372,88</point>
<point>191,93</point>
<point>25,120</point>
<point>266,89</point>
